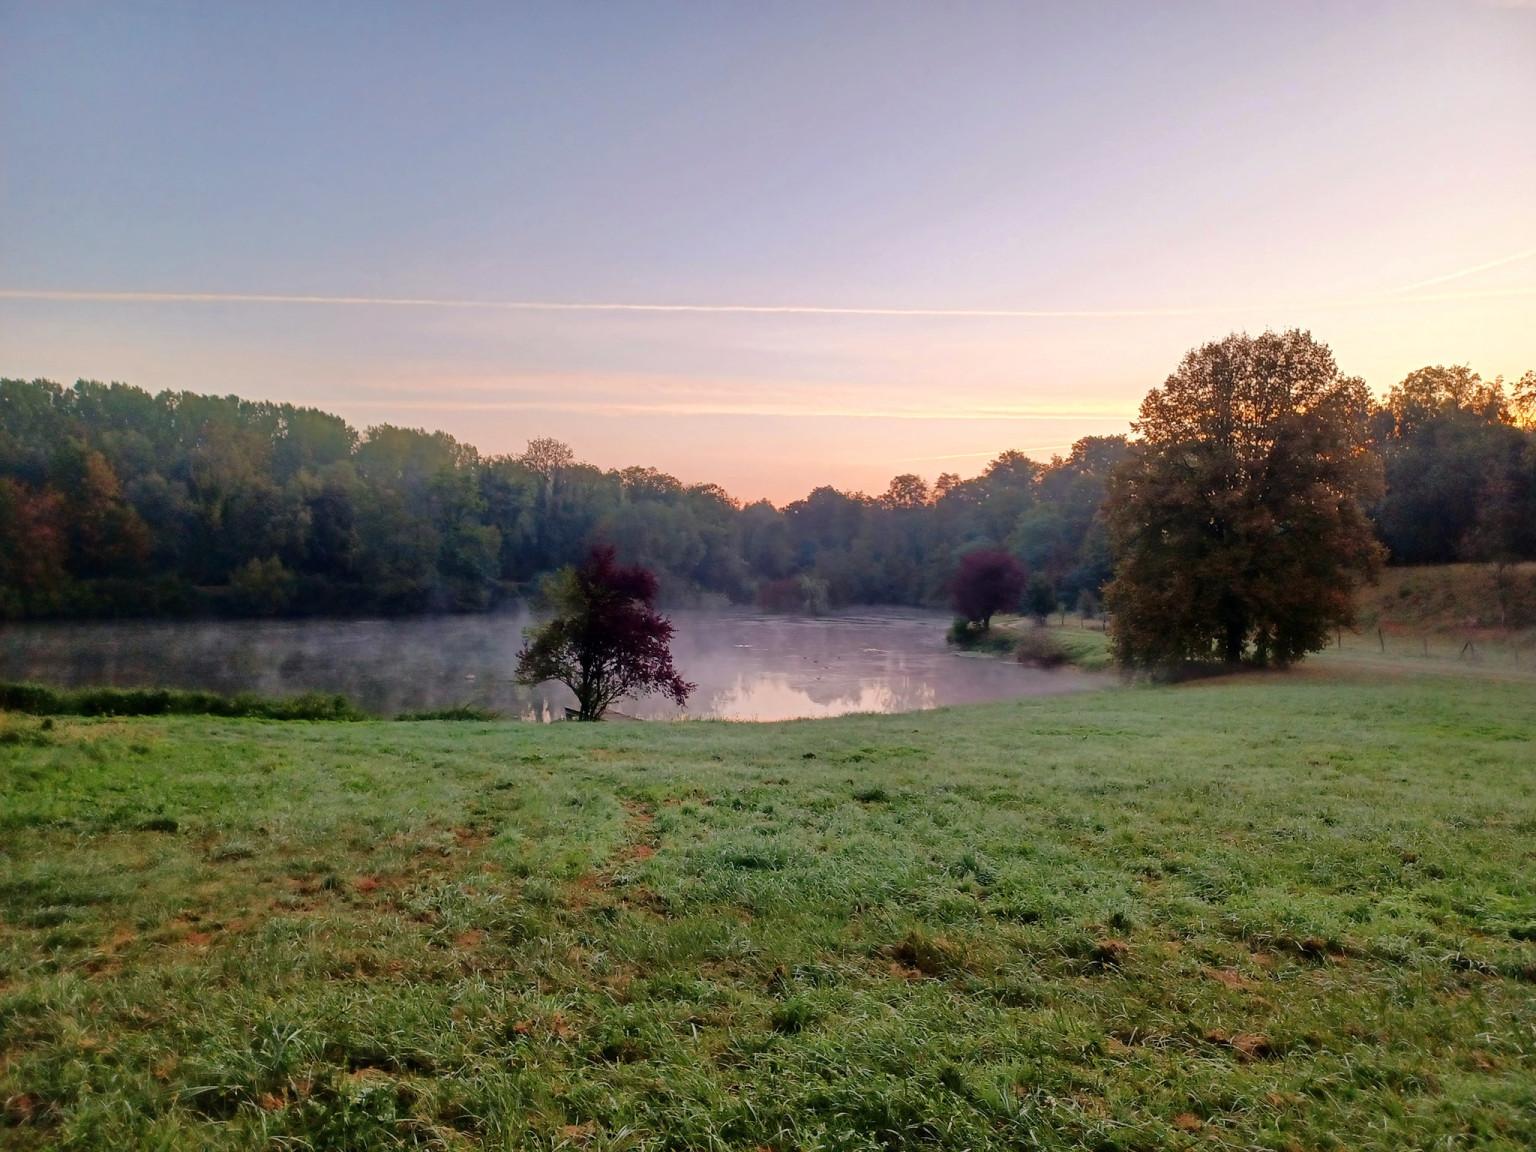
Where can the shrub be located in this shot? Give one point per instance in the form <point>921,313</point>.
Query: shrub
<point>1040,597</point>
<point>972,636</point>
<point>1039,648</point>
<point>457,712</point>
<point>38,700</point>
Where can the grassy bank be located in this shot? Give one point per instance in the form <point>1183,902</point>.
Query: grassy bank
<point>1076,642</point>
<point>1449,618</point>
<point>1275,912</point>
<point>1451,599</point>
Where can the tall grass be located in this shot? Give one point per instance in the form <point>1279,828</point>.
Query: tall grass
<point>40,700</point>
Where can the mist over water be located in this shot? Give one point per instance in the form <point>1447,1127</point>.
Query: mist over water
<point>748,666</point>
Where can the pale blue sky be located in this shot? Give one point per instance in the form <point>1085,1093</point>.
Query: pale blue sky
<point>1235,164</point>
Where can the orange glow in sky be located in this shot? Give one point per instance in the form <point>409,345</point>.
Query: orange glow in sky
<point>821,244</point>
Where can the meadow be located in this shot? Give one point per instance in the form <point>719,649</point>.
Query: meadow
<point>1265,912</point>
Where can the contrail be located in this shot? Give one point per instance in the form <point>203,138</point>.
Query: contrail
<point>985,451</point>
<point>1472,271</point>
<point>94,297</point>
<point>749,410</point>
<point>566,306</point>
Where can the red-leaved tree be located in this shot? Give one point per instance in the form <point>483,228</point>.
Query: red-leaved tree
<point>988,581</point>
<point>606,639</point>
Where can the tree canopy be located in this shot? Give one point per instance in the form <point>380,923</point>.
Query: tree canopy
<point>178,504</point>
<point>116,502</point>
<point>1238,521</point>
<point>606,640</point>
<point>987,582</point>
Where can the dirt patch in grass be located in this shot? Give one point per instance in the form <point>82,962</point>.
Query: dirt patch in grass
<point>1247,1046</point>
<point>1229,978</point>
<point>928,955</point>
<point>638,844</point>
<point>1110,953</point>
<point>473,837</point>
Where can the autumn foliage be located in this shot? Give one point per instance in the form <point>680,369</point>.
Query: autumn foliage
<point>988,581</point>
<point>1238,522</point>
<point>606,640</point>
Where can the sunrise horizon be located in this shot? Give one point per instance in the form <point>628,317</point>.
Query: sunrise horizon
<point>466,399</point>
<point>768,252</point>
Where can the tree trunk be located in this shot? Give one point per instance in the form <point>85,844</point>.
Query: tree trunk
<point>587,697</point>
<point>1234,641</point>
<point>1234,624</point>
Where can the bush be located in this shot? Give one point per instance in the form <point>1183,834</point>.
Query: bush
<point>457,712</point>
<point>1039,648</point>
<point>973,637</point>
<point>961,632</point>
<point>1040,597</point>
<point>38,700</point>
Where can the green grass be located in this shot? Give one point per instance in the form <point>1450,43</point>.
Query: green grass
<point>999,639</point>
<point>1273,912</point>
<point>1085,647</point>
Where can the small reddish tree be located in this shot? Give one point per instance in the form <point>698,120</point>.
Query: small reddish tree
<point>988,581</point>
<point>606,639</point>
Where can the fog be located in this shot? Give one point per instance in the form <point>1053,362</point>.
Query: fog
<point>747,666</point>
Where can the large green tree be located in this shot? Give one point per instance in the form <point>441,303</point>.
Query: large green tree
<point>1237,522</point>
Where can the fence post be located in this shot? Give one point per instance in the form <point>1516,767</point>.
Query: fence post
<point>1381,637</point>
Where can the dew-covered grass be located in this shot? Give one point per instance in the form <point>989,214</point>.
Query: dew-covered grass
<point>1281,912</point>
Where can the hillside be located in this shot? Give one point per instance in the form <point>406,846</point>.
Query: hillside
<point>1448,598</point>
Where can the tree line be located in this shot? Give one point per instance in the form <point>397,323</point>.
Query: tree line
<point>116,501</point>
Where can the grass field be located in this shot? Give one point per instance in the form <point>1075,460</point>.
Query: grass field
<point>1285,912</point>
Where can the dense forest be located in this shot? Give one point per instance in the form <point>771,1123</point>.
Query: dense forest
<point>114,501</point>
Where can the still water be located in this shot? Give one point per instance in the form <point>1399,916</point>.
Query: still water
<point>747,666</point>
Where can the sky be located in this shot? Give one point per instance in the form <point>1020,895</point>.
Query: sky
<point>769,246</point>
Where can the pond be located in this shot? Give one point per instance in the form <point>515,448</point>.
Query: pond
<point>747,666</point>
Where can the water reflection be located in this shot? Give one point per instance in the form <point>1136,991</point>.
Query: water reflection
<point>747,666</point>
